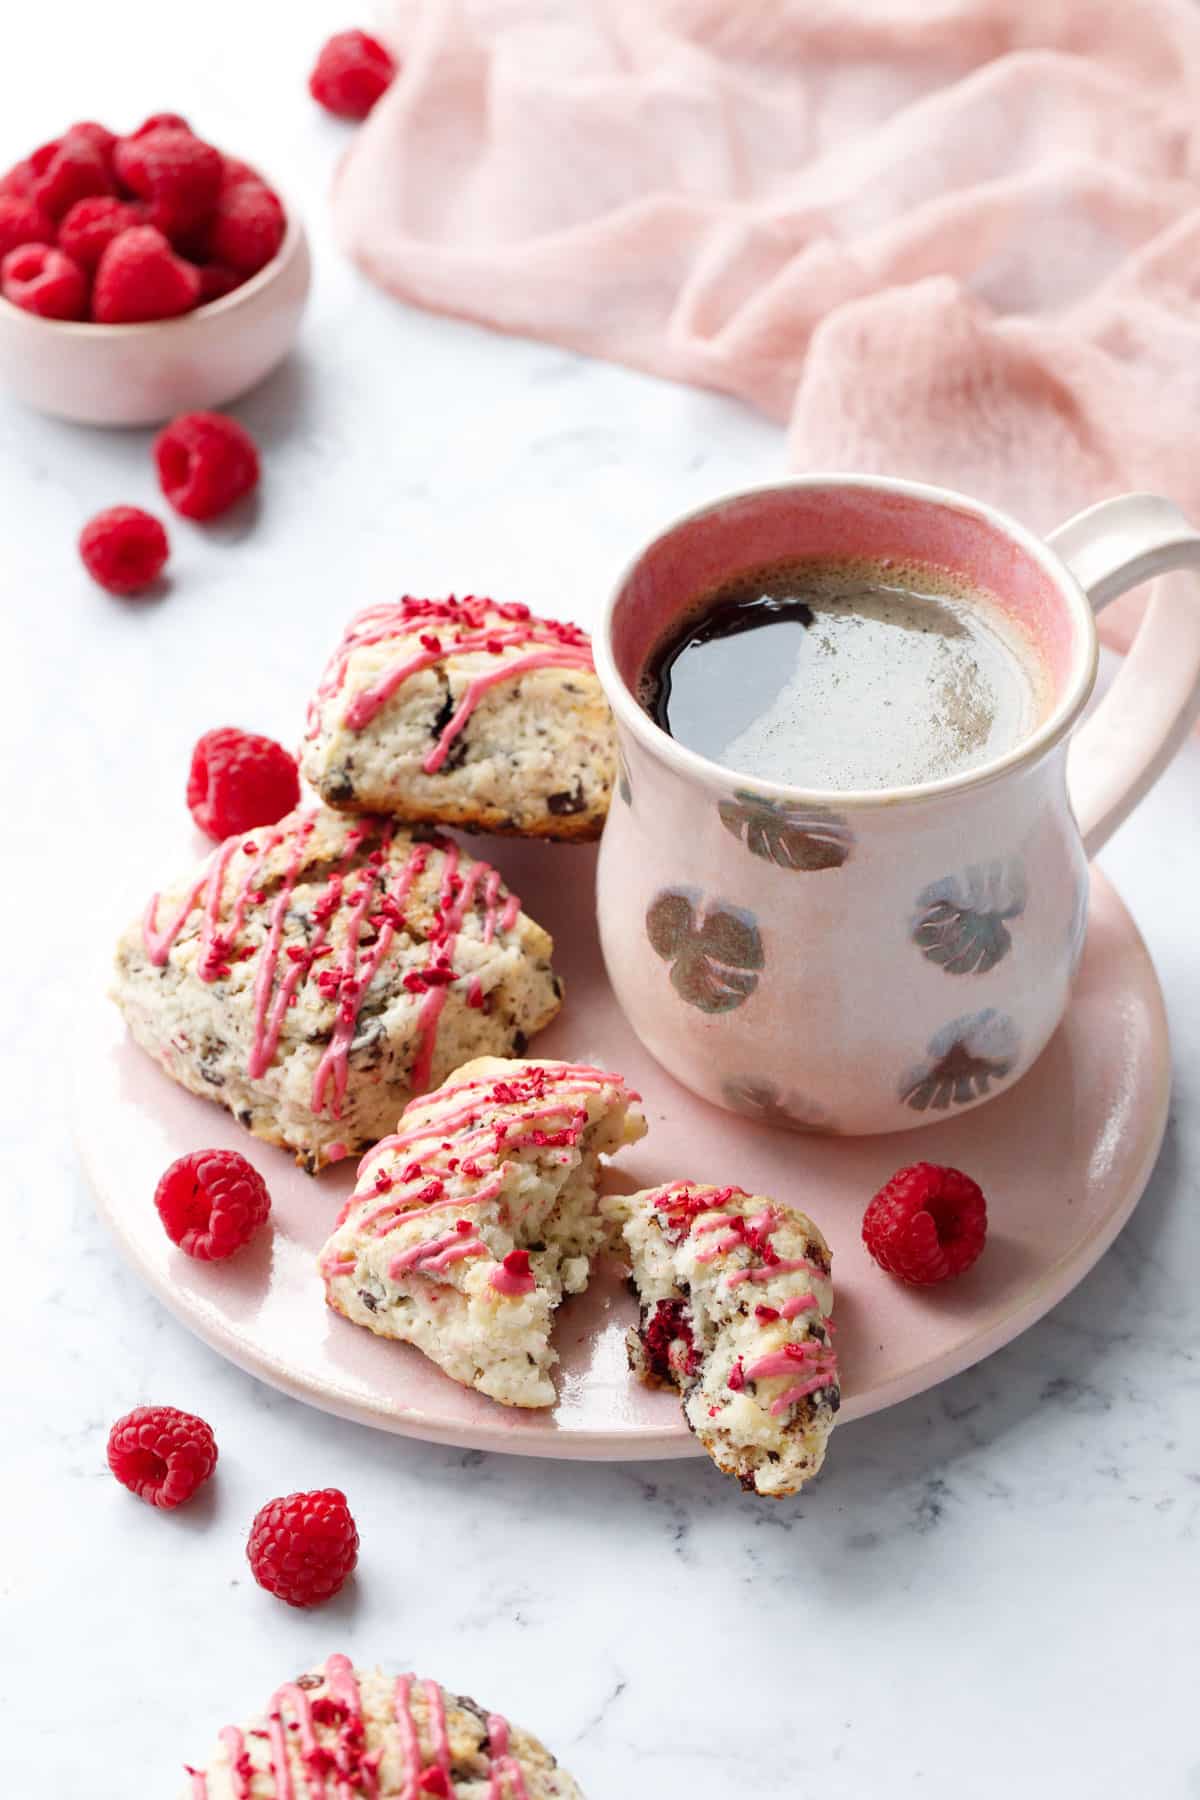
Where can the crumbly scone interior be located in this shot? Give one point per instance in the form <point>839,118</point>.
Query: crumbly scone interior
<point>434,1275</point>
<point>735,1300</point>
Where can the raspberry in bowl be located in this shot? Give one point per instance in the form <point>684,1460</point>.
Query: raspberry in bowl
<point>143,276</point>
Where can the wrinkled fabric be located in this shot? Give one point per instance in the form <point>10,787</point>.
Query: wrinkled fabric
<point>957,240</point>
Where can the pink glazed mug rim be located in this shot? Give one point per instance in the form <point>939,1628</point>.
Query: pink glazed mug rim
<point>1075,687</point>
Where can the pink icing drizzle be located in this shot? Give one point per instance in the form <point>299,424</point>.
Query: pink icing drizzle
<point>269,1011</point>
<point>471,626</point>
<point>394,1185</point>
<point>351,978</point>
<point>355,1773</point>
<point>505,1770</point>
<point>705,1218</point>
<point>335,1060</point>
<point>437,1253</point>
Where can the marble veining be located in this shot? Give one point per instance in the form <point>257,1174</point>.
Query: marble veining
<point>981,1577</point>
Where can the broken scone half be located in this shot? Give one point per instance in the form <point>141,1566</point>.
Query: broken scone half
<point>735,1297</point>
<point>349,1731</point>
<point>464,712</point>
<point>313,975</point>
<point>469,1225</point>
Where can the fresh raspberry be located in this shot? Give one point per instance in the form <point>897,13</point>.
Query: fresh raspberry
<point>164,121</point>
<point>176,174</point>
<point>350,74</point>
<point>206,463</point>
<point>66,170</point>
<point>239,781</point>
<point>928,1223</point>
<point>247,227</point>
<point>24,222</point>
<point>216,281</point>
<point>668,1342</point>
<point>91,225</point>
<point>42,280</point>
<point>303,1547</point>
<point>211,1202</point>
<point>124,549</point>
<point>161,1455</point>
<point>140,277</point>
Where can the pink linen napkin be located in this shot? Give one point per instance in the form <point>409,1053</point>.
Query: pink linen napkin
<point>957,240</point>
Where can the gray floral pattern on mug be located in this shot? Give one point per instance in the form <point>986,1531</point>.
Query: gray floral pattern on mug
<point>714,950</point>
<point>624,785</point>
<point>802,838</point>
<point>963,1060</point>
<point>761,1100</point>
<point>961,922</point>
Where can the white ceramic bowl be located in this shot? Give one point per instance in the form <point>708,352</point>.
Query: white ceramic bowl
<point>142,374</point>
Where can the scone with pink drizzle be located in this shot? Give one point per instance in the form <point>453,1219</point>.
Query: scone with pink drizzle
<point>313,975</point>
<point>341,1733</point>
<point>471,1223</point>
<point>464,712</point>
<point>735,1297</point>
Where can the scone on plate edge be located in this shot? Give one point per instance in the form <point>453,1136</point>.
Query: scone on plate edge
<point>464,712</point>
<point>735,1296</point>
<point>313,975</point>
<point>470,1224</point>
<point>383,1736</point>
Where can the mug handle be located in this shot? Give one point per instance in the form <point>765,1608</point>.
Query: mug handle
<point>1121,750</point>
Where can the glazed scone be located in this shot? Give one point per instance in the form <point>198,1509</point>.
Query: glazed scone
<point>360,1733</point>
<point>467,1227</point>
<point>315,974</point>
<point>464,712</point>
<point>735,1298</point>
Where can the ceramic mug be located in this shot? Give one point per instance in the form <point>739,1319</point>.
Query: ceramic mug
<point>865,962</point>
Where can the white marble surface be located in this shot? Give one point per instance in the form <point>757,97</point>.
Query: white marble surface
<point>992,1591</point>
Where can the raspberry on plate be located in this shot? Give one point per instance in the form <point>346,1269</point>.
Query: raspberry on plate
<point>302,1547</point>
<point>141,278</point>
<point>175,173</point>
<point>22,221</point>
<point>211,1203</point>
<point>351,72</point>
<point>247,227</point>
<point>161,1454</point>
<point>239,780</point>
<point>68,169</point>
<point>927,1224</point>
<point>206,463</point>
<point>124,549</point>
<point>91,225</point>
<point>40,279</point>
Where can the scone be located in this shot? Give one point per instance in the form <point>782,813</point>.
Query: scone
<point>464,712</point>
<point>315,974</point>
<point>735,1300</point>
<point>359,1734</point>
<point>468,1226</point>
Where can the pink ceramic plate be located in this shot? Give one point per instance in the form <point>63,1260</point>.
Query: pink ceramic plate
<point>1063,1157</point>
